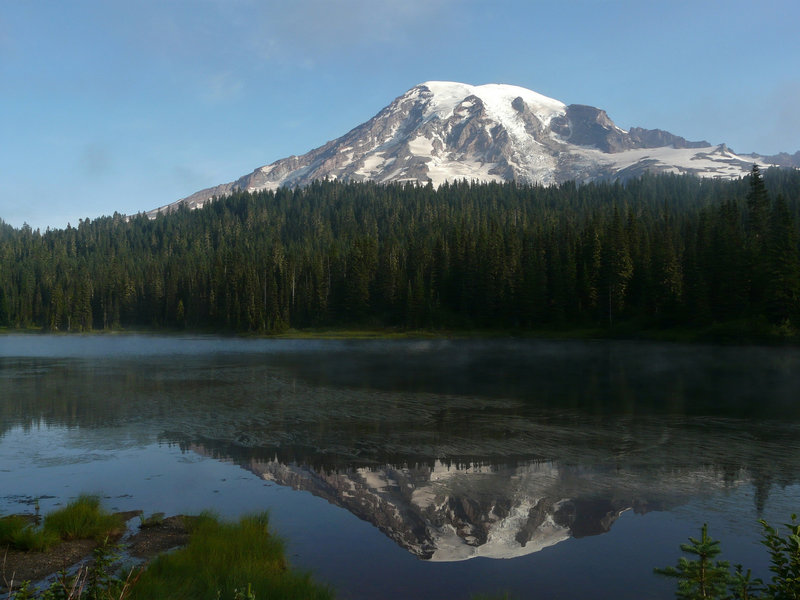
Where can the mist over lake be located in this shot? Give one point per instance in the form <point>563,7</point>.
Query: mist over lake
<point>420,468</point>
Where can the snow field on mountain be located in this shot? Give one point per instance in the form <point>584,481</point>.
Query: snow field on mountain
<point>497,99</point>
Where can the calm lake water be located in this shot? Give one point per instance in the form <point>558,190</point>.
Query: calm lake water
<point>420,469</point>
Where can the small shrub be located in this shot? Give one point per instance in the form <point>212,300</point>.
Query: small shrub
<point>23,592</point>
<point>784,555</point>
<point>700,577</point>
<point>704,579</point>
<point>97,581</point>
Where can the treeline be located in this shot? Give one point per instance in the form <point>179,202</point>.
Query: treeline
<point>660,251</point>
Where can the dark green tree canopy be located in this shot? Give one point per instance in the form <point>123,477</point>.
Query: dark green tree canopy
<point>660,250</point>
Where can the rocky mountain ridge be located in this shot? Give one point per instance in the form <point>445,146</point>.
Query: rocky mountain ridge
<point>445,131</point>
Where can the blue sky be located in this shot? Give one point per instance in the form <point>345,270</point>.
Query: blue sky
<point>110,106</point>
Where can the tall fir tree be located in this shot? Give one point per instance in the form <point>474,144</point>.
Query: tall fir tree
<point>782,265</point>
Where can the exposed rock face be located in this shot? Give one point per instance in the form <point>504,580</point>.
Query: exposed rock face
<point>445,131</point>
<point>590,126</point>
<point>658,138</point>
<point>782,159</point>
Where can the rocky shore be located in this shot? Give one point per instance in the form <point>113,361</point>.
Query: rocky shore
<point>140,543</point>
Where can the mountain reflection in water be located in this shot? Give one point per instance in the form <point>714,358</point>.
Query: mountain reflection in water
<point>453,449</point>
<point>448,512</point>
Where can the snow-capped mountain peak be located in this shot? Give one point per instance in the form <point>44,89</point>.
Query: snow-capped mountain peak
<point>500,100</point>
<point>442,131</point>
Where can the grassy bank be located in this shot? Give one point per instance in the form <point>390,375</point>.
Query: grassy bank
<point>83,518</point>
<point>227,560</point>
<point>742,331</point>
<point>729,332</point>
<point>221,561</point>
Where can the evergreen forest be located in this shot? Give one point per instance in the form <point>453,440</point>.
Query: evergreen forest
<point>661,252</point>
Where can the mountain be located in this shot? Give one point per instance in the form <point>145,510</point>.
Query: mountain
<point>443,131</point>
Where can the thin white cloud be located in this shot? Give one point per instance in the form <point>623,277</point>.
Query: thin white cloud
<point>314,30</point>
<point>255,35</point>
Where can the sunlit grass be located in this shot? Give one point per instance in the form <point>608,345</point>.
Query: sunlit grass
<point>222,558</point>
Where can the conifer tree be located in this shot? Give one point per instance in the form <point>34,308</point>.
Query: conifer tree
<point>758,207</point>
<point>618,266</point>
<point>465,255</point>
<point>700,578</point>
<point>782,264</point>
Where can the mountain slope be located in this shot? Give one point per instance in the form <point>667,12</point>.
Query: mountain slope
<point>439,131</point>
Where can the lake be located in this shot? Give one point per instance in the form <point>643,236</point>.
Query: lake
<point>424,469</point>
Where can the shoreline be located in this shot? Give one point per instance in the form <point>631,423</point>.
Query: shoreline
<point>137,545</point>
<point>729,333</point>
<point>197,552</point>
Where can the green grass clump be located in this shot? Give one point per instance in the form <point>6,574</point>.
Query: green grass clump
<point>153,520</point>
<point>19,534</point>
<point>83,519</point>
<point>9,527</point>
<point>223,559</point>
